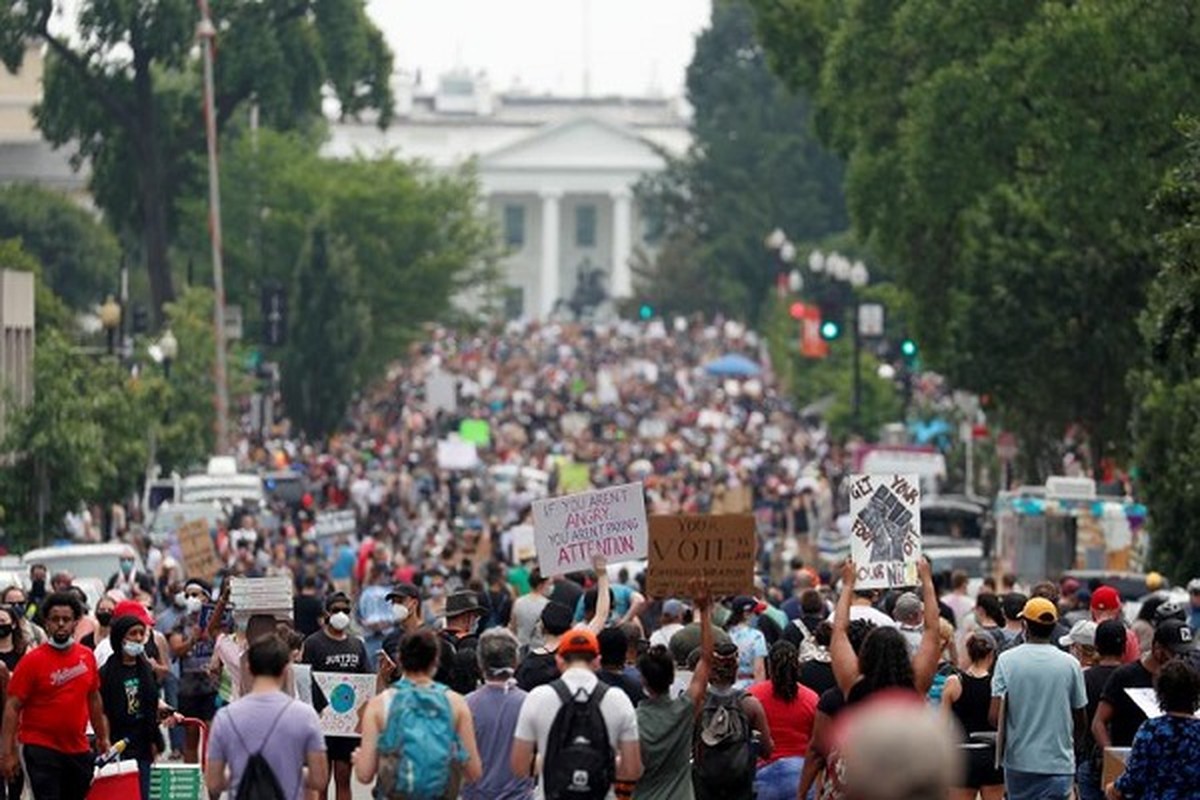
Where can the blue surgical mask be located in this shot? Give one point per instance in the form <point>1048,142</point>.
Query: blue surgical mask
<point>133,649</point>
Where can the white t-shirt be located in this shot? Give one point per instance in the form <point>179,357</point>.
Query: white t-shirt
<point>663,635</point>
<point>542,705</point>
<point>872,614</point>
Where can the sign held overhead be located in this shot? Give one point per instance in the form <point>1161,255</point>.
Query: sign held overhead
<point>569,531</point>
<point>719,547</point>
<point>885,529</point>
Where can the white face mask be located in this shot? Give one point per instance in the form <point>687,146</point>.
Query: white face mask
<point>133,649</point>
<point>181,600</point>
<point>194,604</point>
<point>339,621</point>
<point>400,611</point>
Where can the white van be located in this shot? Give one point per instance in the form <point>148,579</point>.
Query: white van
<point>222,483</point>
<point>96,561</point>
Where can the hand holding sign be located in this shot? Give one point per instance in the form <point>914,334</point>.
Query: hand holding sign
<point>885,529</point>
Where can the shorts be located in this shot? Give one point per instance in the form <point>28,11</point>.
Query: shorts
<point>981,771</point>
<point>339,748</point>
<point>198,706</point>
<point>1036,786</point>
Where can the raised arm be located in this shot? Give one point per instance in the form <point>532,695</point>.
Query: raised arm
<point>845,662</point>
<point>698,588</point>
<point>603,596</point>
<point>925,662</point>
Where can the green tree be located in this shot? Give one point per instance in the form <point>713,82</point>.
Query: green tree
<point>1000,157</point>
<point>1167,419</point>
<point>127,91</point>
<point>754,165</point>
<point>79,257</point>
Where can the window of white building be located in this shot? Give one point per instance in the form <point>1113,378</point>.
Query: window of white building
<point>514,226</point>
<point>585,226</point>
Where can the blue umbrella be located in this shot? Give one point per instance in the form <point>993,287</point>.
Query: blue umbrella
<point>733,365</point>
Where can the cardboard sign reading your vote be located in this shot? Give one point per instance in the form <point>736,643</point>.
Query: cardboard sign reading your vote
<point>721,547</point>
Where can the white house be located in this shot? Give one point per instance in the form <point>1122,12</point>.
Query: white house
<point>556,172</point>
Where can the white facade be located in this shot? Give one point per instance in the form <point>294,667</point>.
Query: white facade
<point>557,174</point>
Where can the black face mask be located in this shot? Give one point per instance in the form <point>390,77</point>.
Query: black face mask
<point>19,608</point>
<point>5,631</point>
<point>104,617</point>
<point>40,585</point>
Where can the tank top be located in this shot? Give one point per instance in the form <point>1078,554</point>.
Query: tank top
<point>972,705</point>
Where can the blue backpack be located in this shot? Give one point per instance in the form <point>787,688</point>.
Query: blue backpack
<point>419,749</point>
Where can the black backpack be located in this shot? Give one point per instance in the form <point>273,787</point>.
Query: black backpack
<point>579,763</point>
<point>723,758</point>
<point>258,781</point>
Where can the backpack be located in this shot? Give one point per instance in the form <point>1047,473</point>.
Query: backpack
<point>258,781</point>
<point>579,763</point>
<point>459,667</point>
<point>419,748</point>
<point>723,757</point>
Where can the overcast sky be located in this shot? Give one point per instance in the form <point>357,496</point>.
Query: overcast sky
<point>633,44</point>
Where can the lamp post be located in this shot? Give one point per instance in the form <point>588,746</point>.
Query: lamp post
<point>785,254</point>
<point>168,345</point>
<point>110,320</point>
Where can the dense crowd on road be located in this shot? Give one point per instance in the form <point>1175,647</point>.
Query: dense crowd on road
<point>494,681</point>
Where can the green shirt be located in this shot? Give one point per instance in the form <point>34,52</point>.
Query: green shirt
<point>518,578</point>
<point>665,732</point>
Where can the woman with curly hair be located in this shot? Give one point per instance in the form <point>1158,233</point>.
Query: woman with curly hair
<point>791,708</point>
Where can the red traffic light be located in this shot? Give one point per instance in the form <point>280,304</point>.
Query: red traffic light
<point>798,311</point>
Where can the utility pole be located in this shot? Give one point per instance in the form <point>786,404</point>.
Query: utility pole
<point>206,33</point>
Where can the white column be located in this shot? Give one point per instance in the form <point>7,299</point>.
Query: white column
<point>548,290</point>
<point>622,237</point>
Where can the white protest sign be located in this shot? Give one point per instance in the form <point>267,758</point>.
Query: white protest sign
<point>345,695</point>
<point>334,523</point>
<point>441,392</point>
<point>457,454</point>
<point>1146,699</point>
<point>523,543</point>
<point>885,529</point>
<point>570,530</point>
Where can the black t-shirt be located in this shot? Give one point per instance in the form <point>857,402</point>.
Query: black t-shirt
<point>129,693</point>
<point>567,592</point>
<point>458,666</point>
<point>1094,681</point>
<point>307,610</point>
<point>536,669</point>
<point>326,654</point>
<point>1127,717</point>
<point>818,676</point>
<point>619,680</point>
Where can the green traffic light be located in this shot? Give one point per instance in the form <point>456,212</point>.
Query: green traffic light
<point>830,330</point>
<point>646,311</point>
<point>908,348</point>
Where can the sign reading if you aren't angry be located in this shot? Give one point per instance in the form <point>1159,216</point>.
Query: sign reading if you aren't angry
<point>719,547</point>
<point>569,531</point>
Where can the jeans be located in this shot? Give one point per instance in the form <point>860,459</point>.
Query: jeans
<point>1037,786</point>
<point>778,780</point>
<point>57,776</point>
<point>1087,780</point>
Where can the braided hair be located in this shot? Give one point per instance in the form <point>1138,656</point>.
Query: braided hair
<point>783,668</point>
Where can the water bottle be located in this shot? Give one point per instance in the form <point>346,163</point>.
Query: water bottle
<point>112,754</point>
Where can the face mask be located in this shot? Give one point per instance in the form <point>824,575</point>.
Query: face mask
<point>339,621</point>
<point>61,641</point>
<point>133,649</point>
<point>180,600</point>
<point>400,611</point>
<point>126,565</point>
<point>39,586</point>
<point>437,591</point>
<point>104,617</point>
<point>194,604</point>
<point>20,608</point>
<point>5,631</point>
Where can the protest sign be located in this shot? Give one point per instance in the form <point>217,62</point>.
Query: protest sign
<point>334,523</point>
<point>475,431</point>
<point>885,529</point>
<point>719,547</point>
<point>345,695</point>
<point>441,393</point>
<point>457,454</point>
<point>198,551</point>
<point>569,531</point>
<point>574,477</point>
<point>270,596</point>
<point>524,546</point>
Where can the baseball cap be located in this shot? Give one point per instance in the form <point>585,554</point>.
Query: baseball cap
<point>1039,609</point>
<point>132,608</point>
<point>1170,609</point>
<point>1082,632</point>
<point>1111,637</point>
<point>746,603</point>
<point>1154,581</point>
<point>1174,635</point>
<point>673,608</point>
<point>404,591</point>
<point>1194,586</point>
<point>579,642</point>
<point>1105,598</point>
<point>1069,586</point>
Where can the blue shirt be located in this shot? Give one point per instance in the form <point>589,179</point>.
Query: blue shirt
<point>494,710</point>
<point>1043,686</point>
<point>622,597</point>
<point>343,565</point>
<point>1164,763</point>
<point>751,645</point>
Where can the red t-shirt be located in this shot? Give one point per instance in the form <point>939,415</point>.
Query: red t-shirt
<point>53,687</point>
<point>791,723</point>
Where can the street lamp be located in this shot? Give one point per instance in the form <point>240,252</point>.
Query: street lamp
<point>110,320</point>
<point>785,254</point>
<point>168,345</point>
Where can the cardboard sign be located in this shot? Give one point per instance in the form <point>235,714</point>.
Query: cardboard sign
<point>569,531</point>
<point>719,547</point>
<point>345,695</point>
<point>198,551</point>
<point>885,529</point>
<point>334,523</point>
<point>457,454</point>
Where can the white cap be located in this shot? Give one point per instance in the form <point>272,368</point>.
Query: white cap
<point>1083,632</point>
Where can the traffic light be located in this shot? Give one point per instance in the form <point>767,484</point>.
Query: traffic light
<point>830,330</point>
<point>646,311</point>
<point>274,315</point>
<point>908,349</point>
<point>141,319</point>
<point>797,311</point>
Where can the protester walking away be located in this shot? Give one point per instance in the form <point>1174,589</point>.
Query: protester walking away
<point>527,610</point>
<point>967,698</point>
<point>541,664</point>
<point>12,648</point>
<point>458,667</point>
<point>1110,649</point>
<point>263,743</point>
<point>1040,691</point>
<point>53,694</point>
<point>790,708</point>
<point>1118,717</point>
<point>614,647</point>
<point>129,692</point>
<point>666,724</point>
<point>418,739</point>
<point>334,649</point>
<point>1164,761</point>
<point>732,732</point>
<point>495,707</point>
<point>193,649</point>
<point>1106,604</point>
<point>576,734</point>
<point>751,644</point>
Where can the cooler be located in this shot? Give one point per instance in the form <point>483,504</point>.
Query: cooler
<point>118,781</point>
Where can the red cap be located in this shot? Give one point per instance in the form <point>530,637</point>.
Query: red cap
<point>579,641</point>
<point>132,608</point>
<point>1106,598</point>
